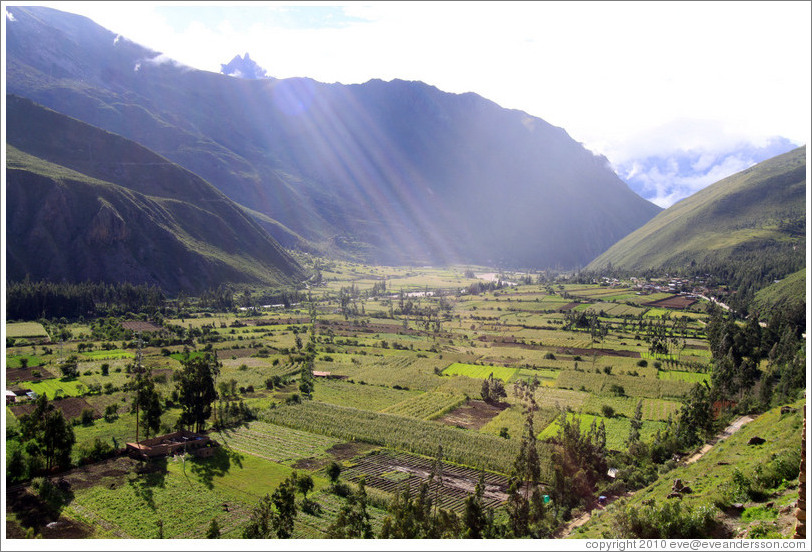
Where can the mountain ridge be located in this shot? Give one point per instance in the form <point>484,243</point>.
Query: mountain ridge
<point>389,172</point>
<point>139,218</point>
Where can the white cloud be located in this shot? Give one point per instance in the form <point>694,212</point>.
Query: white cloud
<point>9,16</point>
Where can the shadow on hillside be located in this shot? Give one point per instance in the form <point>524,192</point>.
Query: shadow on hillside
<point>206,469</point>
<point>146,477</point>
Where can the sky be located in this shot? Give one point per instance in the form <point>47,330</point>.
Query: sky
<point>633,81</point>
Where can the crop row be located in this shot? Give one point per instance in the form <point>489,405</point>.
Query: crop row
<point>275,443</point>
<point>477,450</point>
<point>426,405</point>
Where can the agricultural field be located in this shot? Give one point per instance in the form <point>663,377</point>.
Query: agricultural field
<point>398,377</point>
<point>25,330</point>
<point>479,372</point>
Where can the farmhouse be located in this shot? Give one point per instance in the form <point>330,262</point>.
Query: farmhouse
<point>173,443</point>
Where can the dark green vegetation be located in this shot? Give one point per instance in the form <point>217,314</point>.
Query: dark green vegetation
<point>85,204</point>
<point>744,232</point>
<point>414,408</point>
<point>388,171</point>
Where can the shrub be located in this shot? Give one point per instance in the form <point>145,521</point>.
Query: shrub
<point>87,416</point>
<point>607,411</point>
<point>105,369</point>
<point>36,374</point>
<point>642,363</point>
<point>111,412</point>
<point>672,520</point>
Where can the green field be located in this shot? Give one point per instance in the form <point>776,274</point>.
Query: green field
<point>25,329</point>
<point>617,429</point>
<point>480,372</point>
<point>675,375</point>
<point>111,354</point>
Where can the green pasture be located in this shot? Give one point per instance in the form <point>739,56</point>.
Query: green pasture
<point>617,429</point>
<point>111,354</point>
<point>16,361</point>
<point>479,372</point>
<point>25,329</point>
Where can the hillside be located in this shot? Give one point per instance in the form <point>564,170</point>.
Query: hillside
<point>786,294</point>
<point>761,479</point>
<point>753,219</point>
<point>85,204</point>
<point>383,171</point>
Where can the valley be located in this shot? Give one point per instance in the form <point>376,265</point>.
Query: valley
<point>379,371</point>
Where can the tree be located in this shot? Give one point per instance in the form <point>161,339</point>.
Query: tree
<point>49,433</point>
<point>147,402</point>
<point>352,521</point>
<point>474,519</point>
<point>304,484</point>
<point>636,424</point>
<point>195,387</point>
<point>274,514</point>
<point>333,472</point>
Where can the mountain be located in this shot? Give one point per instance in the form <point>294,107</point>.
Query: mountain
<point>667,178</point>
<point>387,172</point>
<point>244,68</point>
<point>751,222</point>
<point>85,204</point>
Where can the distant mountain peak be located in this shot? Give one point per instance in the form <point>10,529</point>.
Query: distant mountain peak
<point>243,68</point>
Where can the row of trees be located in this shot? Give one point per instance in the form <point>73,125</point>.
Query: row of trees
<point>29,300</point>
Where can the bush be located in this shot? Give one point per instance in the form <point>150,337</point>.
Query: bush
<point>111,413</point>
<point>607,411</point>
<point>642,363</point>
<point>672,520</point>
<point>96,452</point>
<point>87,416</point>
<point>105,369</point>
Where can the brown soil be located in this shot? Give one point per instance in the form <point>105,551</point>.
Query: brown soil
<point>674,302</point>
<point>71,407</point>
<point>345,451</point>
<point>140,326</point>
<point>393,472</point>
<point>568,306</point>
<point>473,415</point>
<point>25,374</point>
<point>600,352</point>
<point>311,464</point>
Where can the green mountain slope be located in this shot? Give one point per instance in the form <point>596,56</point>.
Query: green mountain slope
<point>758,213</point>
<point>85,204</point>
<point>787,294</point>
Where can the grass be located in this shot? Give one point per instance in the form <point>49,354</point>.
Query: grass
<point>185,498</point>
<point>16,361</point>
<point>111,354</point>
<point>617,429</point>
<point>66,388</point>
<point>675,375</point>
<point>713,479</point>
<point>25,329</point>
<point>479,372</point>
